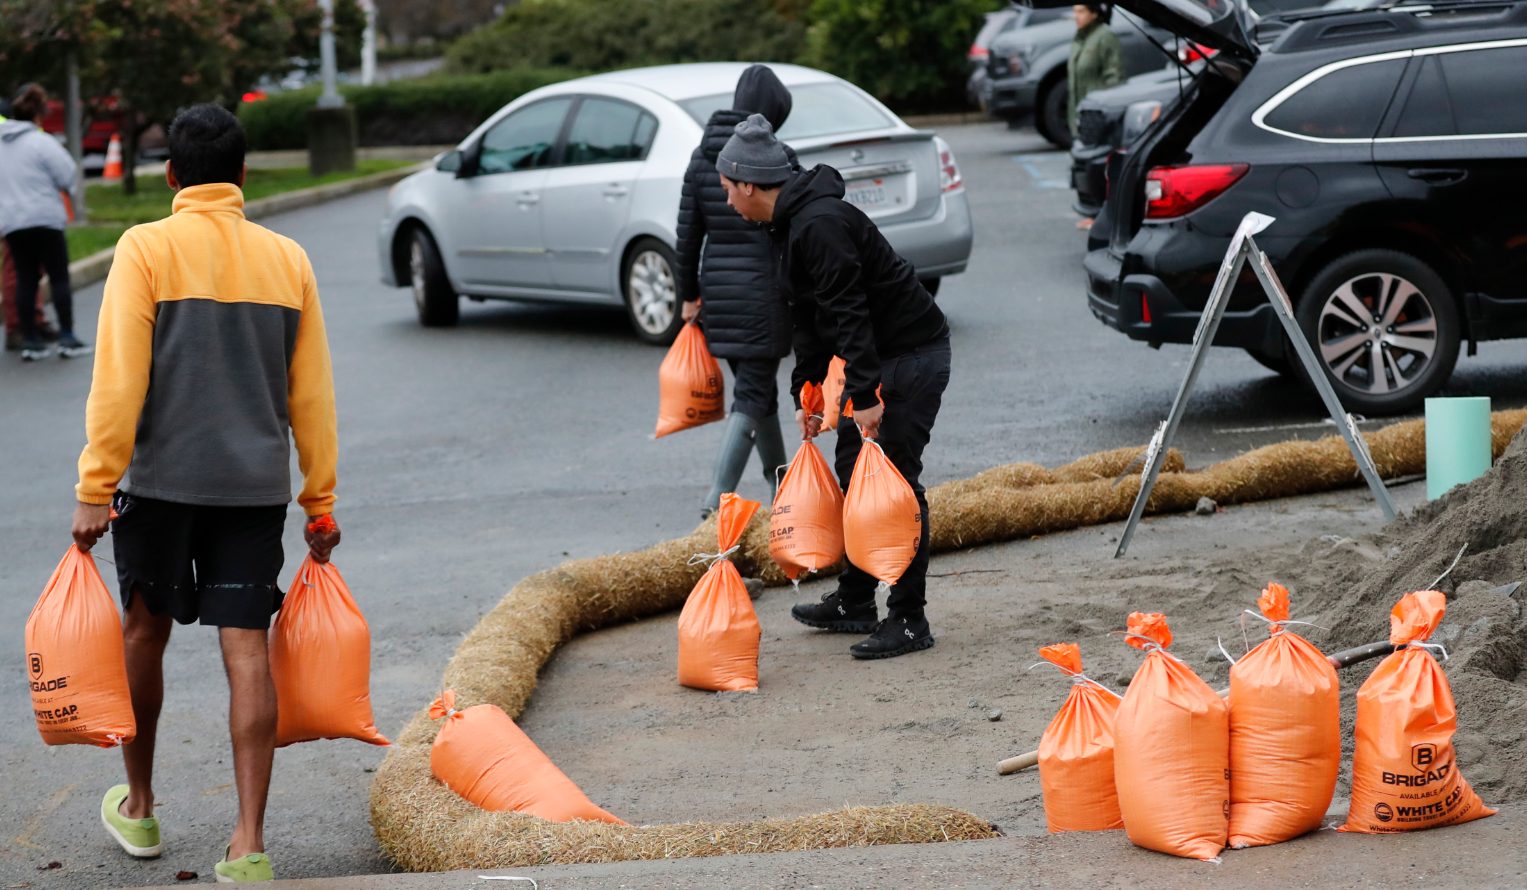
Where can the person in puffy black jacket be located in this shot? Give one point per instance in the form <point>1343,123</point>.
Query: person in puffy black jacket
<point>726,280</point>
<point>852,295</point>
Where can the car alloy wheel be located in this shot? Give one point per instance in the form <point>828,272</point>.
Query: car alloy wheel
<point>1377,333</point>
<point>651,291</point>
<point>416,272</point>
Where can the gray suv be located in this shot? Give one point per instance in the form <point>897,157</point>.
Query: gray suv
<point>1026,69</point>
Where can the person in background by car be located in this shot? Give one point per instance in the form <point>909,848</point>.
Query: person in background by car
<point>1096,63</point>
<point>851,295</point>
<point>726,280</point>
<point>34,169</point>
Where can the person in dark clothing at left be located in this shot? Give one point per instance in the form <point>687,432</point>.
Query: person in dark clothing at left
<point>851,295</point>
<point>726,279</point>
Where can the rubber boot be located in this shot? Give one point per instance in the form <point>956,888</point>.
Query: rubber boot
<point>771,450</point>
<point>741,433</point>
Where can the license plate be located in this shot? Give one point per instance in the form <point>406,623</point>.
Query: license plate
<point>870,193</point>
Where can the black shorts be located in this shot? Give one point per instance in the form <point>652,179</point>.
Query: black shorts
<point>218,565</point>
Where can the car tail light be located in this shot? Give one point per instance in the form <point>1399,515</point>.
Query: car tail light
<point>1191,52</point>
<point>1176,191</point>
<point>255,96</point>
<point>1145,308</point>
<point>949,177</point>
<point>978,52</point>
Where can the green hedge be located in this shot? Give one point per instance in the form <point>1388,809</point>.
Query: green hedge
<point>429,111</point>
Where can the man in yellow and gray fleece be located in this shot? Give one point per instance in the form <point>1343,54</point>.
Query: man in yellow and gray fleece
<point>211,358</point>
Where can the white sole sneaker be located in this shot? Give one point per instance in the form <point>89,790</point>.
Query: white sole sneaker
<point>135,852</point>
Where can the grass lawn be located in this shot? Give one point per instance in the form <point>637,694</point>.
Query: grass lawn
<point>112,212</point>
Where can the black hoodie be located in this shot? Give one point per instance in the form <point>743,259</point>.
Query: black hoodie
<point>850,293</point>
<point>743,313</point>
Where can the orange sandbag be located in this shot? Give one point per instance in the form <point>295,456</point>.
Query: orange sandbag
<point>483,756</point>
<point>320,658</point>
<point>1285,734</point>
<point>832,394</point>
<point>806,523</point>
<point>1404,770</point>
<point>75,666</point>
<point>718,629</point>
<point>882,522</point>
<point>1171,756</point>
<point>1076,752</point>
<point>690,391</point>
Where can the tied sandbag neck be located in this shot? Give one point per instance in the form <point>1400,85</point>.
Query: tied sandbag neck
<point>1428,647</point>
<point>1077,677</point>
<point>1149,645</point>
<point>712,558</point>
<point>444,707</point>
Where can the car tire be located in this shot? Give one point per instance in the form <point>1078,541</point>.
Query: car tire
<point>1415,342</point>
<point>436,301</point>
<point>650,292</point>
<point>1050,116</point>
<point>1278,363</point>
<point>931,285</point>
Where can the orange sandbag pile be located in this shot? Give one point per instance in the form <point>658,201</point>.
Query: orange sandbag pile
<point>1285,733</point>
<point>320,659</point>
<point>1404,771</point>
<point>75,666</point>
<point>1076,752</point>
<point>1171,751</point>
<point>882,522</point>
<point>806,522</point>
<point>832,394</point>
<point>690,391</point>
<point>483,756</point>
<point>718,629</point>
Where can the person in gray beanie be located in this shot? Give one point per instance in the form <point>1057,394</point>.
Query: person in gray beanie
<point>724,272</point>
<point>851,295</point>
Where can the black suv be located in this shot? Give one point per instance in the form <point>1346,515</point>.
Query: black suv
<point>1390,146</point>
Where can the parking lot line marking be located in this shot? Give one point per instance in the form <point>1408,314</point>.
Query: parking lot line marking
<point>24,839</point>
<point>1041,179</point>
<point>1311,425</point>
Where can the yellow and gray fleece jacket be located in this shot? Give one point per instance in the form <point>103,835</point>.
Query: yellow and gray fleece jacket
<point>211,347</point>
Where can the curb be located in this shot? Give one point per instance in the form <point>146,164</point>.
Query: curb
<point>953,119</point>
<point>93,268</point>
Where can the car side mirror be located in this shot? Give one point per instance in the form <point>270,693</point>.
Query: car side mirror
<point>449,162</point>
<point>467,166</point>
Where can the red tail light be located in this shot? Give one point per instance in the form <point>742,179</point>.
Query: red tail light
<point>978,52</point>
<point>949,175</point>
<point>1191,52</point>
<point>255,96</point>
<point>1176,191</point>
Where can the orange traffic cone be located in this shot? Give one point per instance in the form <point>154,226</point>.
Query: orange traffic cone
<point>113,171</point>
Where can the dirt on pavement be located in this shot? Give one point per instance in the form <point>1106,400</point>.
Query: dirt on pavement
<point>825,731</point>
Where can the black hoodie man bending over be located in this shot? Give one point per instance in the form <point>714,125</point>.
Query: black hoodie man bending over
<point>851,295</point>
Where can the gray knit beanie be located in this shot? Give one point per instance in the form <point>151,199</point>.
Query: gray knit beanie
<point>754,155</point>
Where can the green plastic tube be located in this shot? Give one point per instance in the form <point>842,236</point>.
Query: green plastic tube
<point>1457,442</point>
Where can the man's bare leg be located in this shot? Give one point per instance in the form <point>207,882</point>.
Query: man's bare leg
<point>144,637</point>
<point>252,724</point>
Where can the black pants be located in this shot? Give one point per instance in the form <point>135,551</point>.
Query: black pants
<point>912,389</point>
<point>35,250</point>
<point>755,387</point>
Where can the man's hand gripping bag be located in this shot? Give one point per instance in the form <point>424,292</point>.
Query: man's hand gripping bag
<point>718,629</point>
<point>806,522</point>
<point>1404,770</point>
<point>320,659</point>
<point>1171,756</point>
<point>1285,734</point>
<point>1076,752</point>
<point>690,390</point>
<point>75,666</point>
<point>882,522</point>
<point>483,756</point>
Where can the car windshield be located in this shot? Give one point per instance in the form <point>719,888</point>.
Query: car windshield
<point>819,109</point>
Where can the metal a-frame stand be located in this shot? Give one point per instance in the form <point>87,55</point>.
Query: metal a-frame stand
<point>1244,250</point>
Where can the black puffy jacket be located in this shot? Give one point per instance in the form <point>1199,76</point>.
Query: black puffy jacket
<point>851,294</point>
<point>722,258</point>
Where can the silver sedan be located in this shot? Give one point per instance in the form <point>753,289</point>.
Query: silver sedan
<point>570,193</point>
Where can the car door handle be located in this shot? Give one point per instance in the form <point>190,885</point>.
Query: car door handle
<point>616,191</point>
<point>527,199</point>
<point>1438,175</point>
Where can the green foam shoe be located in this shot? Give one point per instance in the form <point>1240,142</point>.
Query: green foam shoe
<point>139,837</point>
<point>244,870</point>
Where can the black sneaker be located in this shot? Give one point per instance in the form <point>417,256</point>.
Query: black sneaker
<point>35,350</point>
<point>835,615</point>
<point>70,346</point>
<point>47,332</point>
<point>894,636</point>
